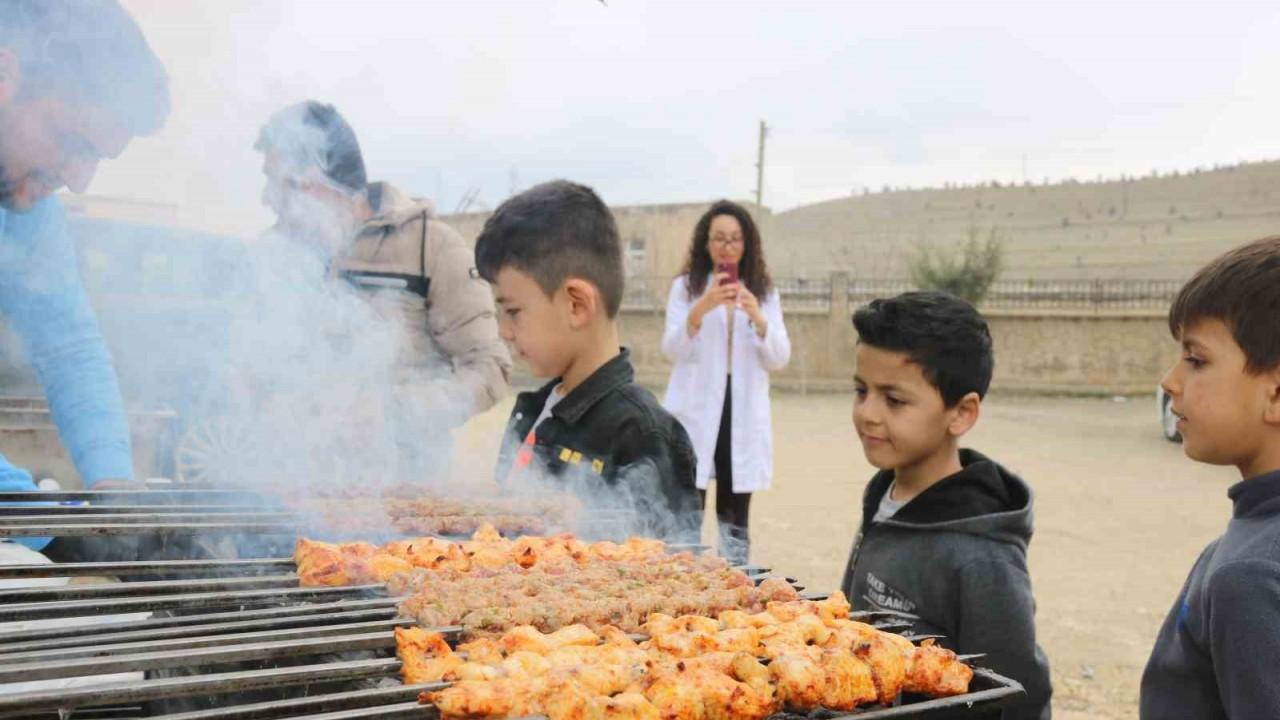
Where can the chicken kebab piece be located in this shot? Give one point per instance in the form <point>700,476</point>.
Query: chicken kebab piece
<point>798,656</point>
<point>814,645</point>
<point>577,674</point>
<point>332,564</point>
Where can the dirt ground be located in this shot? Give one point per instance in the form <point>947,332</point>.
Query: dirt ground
<point>1121,515</point>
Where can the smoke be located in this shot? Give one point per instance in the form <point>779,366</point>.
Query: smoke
<point>635,500</point>
<point>308,382</point>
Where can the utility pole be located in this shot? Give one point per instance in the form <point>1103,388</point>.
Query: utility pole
<point>764,130</point>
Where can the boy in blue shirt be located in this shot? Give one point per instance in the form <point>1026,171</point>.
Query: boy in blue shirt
<point>1216,654</point>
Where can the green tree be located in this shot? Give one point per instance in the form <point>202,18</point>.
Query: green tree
<point>967,271</point>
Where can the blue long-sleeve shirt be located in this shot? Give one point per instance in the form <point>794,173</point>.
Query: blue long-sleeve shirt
<point>43,300</point>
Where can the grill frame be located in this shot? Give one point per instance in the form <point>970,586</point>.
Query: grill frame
<point>250,609</point>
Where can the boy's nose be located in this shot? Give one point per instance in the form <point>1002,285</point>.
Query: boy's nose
<point>1171,383</point>
<point>863,414</point>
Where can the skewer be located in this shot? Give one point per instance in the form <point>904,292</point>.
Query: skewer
<point>283,614</point>
<point>193,657</point>
<point>215,628</point>
<point>101,495</point>
<point>142,568</point>
<point>242,517</point>
<point>319,703</point>
<point>194,601</point>
<point>395,712</point>
<point>695,548</point>
<point>201,641</point>
<point>891,625</point>
<point>149,587</point>
<point>867,616</point>
<point>6,510</point>
<point>757,579</point>
<point>157,528</point>
<point>22,704</point>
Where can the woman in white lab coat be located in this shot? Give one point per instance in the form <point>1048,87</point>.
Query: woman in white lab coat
<point>724,335</point>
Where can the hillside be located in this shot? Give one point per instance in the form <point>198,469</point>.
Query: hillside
<point>1158,227</point>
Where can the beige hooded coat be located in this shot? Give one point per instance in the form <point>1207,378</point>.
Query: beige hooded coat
<point>421,273</point>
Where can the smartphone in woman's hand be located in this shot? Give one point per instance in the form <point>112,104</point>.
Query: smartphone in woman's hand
<point>730,269</point>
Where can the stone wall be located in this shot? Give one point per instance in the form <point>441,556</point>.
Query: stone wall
<point>1074,352</point>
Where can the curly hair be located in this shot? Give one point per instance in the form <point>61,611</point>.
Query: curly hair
<point>752,270</point>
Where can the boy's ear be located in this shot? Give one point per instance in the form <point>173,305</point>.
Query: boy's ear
<point>965,414</point>
<point>1272,412</point>
<point>584,302</point>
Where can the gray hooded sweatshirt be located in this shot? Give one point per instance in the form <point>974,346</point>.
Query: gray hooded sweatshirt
<point>1218,651</point>
<point>956,555</point>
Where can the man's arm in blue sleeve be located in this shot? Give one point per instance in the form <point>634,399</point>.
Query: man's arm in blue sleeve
<point>50,312</point>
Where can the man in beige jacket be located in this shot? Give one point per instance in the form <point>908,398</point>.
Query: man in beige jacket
<point>415,271</point>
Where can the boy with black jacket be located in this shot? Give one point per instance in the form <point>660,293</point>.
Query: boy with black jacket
<point>944,530</point>
<point>554,258</point>
<point>1218,651</point>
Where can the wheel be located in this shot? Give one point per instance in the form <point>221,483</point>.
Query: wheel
<point>216,452</point>
<point>1169,421</point>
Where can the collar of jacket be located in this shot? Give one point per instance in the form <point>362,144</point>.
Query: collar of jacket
<point>1259,495</point>
<point>603,381</point>
<point>392,208</point>
<point>982,499</point>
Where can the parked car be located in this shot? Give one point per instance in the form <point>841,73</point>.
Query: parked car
<point>1168,421</point>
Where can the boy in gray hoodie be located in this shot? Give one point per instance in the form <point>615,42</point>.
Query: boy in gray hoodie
<point>944,530</point>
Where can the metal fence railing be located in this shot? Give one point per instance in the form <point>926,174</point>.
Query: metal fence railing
<point>815,293</point>
<point>1068,294</point>
<point>810,293</point>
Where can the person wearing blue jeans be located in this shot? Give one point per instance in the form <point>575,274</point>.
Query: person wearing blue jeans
<point>78,81</point>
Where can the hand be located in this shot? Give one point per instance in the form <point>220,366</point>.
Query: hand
<point>717,293</point>
<point>749,304</point>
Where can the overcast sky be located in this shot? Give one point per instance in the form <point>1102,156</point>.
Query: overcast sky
<point>654,102</point>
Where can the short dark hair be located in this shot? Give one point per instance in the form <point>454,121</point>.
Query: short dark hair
<point>940,332</point>
<point>1242,289</point>
<point>554,231</point>
<point>313,134</point>
<point>90,52</point>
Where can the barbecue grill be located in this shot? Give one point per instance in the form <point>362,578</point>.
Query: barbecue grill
<point>239,638</point>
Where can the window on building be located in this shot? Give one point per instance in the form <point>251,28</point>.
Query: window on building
<point>636,257</point>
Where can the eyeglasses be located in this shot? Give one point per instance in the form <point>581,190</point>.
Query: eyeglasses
<point>726,241</point>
